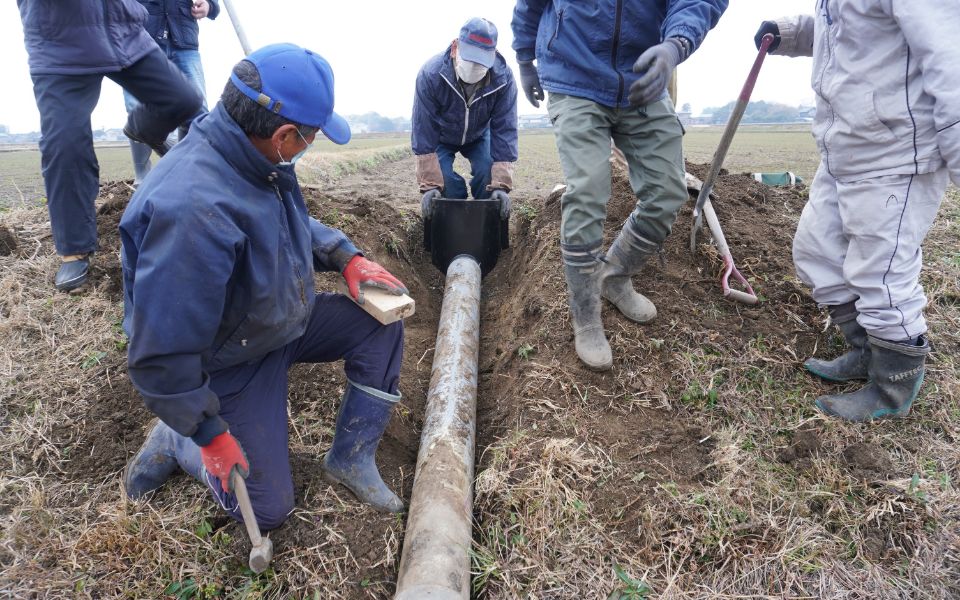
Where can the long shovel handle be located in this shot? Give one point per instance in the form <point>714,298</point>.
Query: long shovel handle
<point>235,19</point>
<point>731,129</point>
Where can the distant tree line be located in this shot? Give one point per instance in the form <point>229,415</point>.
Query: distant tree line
<point>761,112</point>
<point>373,122</point>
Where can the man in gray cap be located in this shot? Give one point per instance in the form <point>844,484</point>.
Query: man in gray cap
<point>466,102</point>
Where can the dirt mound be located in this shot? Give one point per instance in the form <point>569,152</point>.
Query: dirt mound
<point>698,447</point>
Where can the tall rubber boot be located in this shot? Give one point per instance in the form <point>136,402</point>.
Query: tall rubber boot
<point>141,161</point>
<point>364,414</point>
<point>896,373</point>
<point>583,269</point>
<point>626,256</point>
<point>157,459</point>
<point>851,366</point>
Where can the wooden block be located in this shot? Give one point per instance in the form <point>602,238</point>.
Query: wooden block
<point>381,305</point>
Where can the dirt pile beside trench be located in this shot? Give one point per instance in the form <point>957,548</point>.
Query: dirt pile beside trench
<point>531,379</point>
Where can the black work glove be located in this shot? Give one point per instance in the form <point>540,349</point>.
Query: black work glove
<point>658,63</point>
<point>530,82</point>
<point>504,199</point>
<point>426,204</point>
<point>765,28</point>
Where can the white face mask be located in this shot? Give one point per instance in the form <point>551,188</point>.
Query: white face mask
<point>469,72</point>
<point>293,159</point>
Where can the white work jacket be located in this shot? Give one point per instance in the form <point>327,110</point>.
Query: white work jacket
<point>887,78</point>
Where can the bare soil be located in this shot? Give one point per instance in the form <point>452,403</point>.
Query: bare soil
<point>643,416</point>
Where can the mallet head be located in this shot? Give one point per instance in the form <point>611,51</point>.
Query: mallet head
<point>261,555</point>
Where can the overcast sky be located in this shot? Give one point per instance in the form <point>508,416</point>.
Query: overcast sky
<point>376,48</point>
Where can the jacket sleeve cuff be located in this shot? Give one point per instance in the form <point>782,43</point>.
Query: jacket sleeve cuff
<point>343,254</point>
<point>689,33</point>
<point>429,176</point>
<point>526,55</point>
<point>796,36</point>
<point>501,176</point>
<point>332,249</point>
<point>214,9</point>
<point>209,429</point>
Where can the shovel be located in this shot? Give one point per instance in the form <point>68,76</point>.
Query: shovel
<point>741,106</point>
<point>729,269</point>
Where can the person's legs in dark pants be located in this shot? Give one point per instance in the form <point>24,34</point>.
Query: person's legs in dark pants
<point>453,184</point>
<point>478,153</point>
<point>253,401</point>
<point>70,169</point>
<point>372,354</point>
<point>166,97</point>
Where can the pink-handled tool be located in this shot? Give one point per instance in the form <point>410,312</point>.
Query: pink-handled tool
<point>703,198</point>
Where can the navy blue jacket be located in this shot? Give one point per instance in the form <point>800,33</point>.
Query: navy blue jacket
<point>587,49</point>
<point>174,18</point>
<point>79,37</point>
<point>441,114</point>
<point>218,255</point>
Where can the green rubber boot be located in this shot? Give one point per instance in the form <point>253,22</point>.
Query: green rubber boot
<point>851,366</point>
<point>626,256</point>
<point>896,373</point>
<point>582,269</point>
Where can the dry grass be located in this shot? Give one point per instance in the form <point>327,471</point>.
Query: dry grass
<point>863,511</point>
<point>748,524</point>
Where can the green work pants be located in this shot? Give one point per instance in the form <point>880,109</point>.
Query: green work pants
<point>650,138</point>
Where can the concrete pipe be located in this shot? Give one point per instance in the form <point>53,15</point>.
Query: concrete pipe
<point>435,564</point>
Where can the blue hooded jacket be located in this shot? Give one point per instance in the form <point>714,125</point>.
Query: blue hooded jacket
<point>218,254</point>
<point>586,48</point>
<point>175,17</point>
<point>81,37</point>
<point>441,114</point>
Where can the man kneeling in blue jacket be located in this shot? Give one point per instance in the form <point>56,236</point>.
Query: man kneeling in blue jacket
<point>218,258</point>
<point>466,102</point>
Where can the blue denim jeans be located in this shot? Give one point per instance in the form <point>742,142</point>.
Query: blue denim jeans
<point>478,153</point>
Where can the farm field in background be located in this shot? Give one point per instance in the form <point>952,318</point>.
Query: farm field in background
<point>756,148</point>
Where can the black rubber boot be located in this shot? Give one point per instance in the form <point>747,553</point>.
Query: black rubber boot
<point>72,274</point>
<point>851,366</point>
<point>160,146</point>
<point>158,458</point>
<point>626,256</point>
<point>583,269</point>
<point>351,461</point>
<point>896,373</point>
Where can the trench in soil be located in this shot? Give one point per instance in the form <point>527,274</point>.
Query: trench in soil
<point>530,376</point>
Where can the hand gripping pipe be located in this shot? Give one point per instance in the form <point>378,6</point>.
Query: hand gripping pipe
<point>436,562</point>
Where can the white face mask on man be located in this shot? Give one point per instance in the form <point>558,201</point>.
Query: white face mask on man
<point>469,72</point>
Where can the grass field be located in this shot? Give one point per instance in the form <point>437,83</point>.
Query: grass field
<point>587,486</point>
<point>754,149</point>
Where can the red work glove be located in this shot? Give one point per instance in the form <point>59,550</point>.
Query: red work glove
<point>360,273</point>
<point>221,456</point>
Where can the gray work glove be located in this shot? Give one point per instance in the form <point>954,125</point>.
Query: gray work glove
<point>657,64</point>
<point>426,205</point>
<point>765,28</point>
<point>530,82</point>
<point>504,199</point>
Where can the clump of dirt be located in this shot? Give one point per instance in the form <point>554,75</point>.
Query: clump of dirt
<point>806,443</point>
<point>867,461</point>
<point>8,241</point>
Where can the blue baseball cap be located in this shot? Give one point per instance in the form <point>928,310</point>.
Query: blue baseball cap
<point>296,84</point>
<point>478,42</point>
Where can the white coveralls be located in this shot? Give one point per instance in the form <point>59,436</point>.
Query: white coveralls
<point>887,78</point>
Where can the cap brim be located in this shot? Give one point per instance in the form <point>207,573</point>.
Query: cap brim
<point>336,129</point>
<point>477,55</point>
